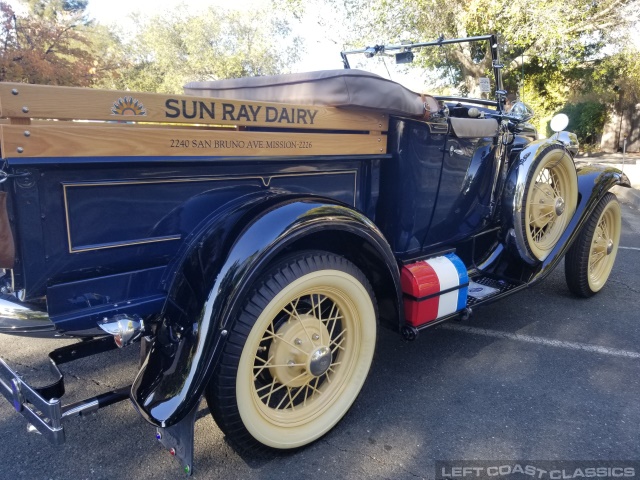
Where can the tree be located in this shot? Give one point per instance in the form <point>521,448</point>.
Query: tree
<point>548,47</point>
<point>551,34</point>
<point>57,9</point>
<point>615,80</point>
<point>52,45</point>
<point>171,50</point>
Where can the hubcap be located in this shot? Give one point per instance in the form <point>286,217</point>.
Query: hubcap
<point>319,361</point>
<point>610,245</point>
<point>299,352</point>
<point>559,207</point>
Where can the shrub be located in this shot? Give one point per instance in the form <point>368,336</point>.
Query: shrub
<point>586,120</point>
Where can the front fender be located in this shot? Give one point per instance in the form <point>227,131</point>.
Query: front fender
<point>594,181</point>
<point>210,282</point>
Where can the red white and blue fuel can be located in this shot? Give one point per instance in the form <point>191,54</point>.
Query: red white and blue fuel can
<point>434,288</point>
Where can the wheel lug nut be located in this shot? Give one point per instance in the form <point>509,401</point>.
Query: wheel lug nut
<point>297,341</point>
<point>315,336</point>
<point>291,363</point>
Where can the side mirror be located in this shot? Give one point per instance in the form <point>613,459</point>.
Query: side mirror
<point>559,122</point>
<point>521,112</point>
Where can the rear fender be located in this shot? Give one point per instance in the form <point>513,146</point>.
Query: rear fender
<point>210,281</point>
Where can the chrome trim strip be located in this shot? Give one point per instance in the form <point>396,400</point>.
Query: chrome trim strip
<point>118,244</point>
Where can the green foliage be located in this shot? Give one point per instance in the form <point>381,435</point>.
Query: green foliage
<point>555,43</point>
<point>615,78</point>
<point>51,45</point>
<point>172,50</point>
<point>56,43</point>
<point>586,120</point>
<point>48,8</point>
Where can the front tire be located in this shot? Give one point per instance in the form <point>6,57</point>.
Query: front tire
<point>298,354</point>
<point>590,259</point>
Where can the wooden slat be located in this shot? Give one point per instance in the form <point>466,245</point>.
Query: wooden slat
<point>73,124</point>
<point>19,100</point>
<point>122,140</point>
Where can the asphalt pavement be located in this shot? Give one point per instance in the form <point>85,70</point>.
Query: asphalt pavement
<point>540,375</point>
<point>629,163</point>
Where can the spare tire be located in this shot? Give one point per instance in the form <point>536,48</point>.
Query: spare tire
<point>548,202</point>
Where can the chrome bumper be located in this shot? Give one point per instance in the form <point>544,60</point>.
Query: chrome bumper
<point>44,415</point>
<point>18,318</point>
<point>42,407</point>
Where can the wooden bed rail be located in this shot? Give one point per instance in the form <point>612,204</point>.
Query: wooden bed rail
<point>50,121</point>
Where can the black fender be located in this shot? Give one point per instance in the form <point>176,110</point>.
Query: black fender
<point>594,181</point>
<point>210,280</point>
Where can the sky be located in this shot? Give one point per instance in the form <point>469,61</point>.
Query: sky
<point>114,11</point>
<point>321,53</point>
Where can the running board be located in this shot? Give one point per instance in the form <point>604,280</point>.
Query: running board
<point>480,290</point>
<point>485,289</point>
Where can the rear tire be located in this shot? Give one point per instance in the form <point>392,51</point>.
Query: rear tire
<point>297,355</point>
<point>590,259</point>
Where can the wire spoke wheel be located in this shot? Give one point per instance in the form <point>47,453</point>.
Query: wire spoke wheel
<point>305,357</point>
<point>549,201</point>
<point>590,259</point>
<point>604,246</point>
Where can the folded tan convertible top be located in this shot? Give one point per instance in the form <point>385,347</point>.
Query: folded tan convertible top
<point>344,88</point>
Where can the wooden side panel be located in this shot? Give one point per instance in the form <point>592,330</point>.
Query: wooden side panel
<point>19,100</point>
<point>92,140</point>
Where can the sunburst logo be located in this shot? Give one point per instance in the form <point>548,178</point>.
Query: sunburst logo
<point>128,106</point>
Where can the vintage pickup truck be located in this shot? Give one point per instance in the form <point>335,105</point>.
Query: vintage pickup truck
<point>252,235</point>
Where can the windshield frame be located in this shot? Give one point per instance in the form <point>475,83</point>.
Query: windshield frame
<point>500,93</point>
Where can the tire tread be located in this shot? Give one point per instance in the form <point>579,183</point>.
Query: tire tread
<point>220,393</point>
<point>576,261</point>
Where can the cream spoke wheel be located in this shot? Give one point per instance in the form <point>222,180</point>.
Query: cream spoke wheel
<point>590,259</point>
<point>601,258</point>
<point>305,354</point>
<point>548,203</point>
